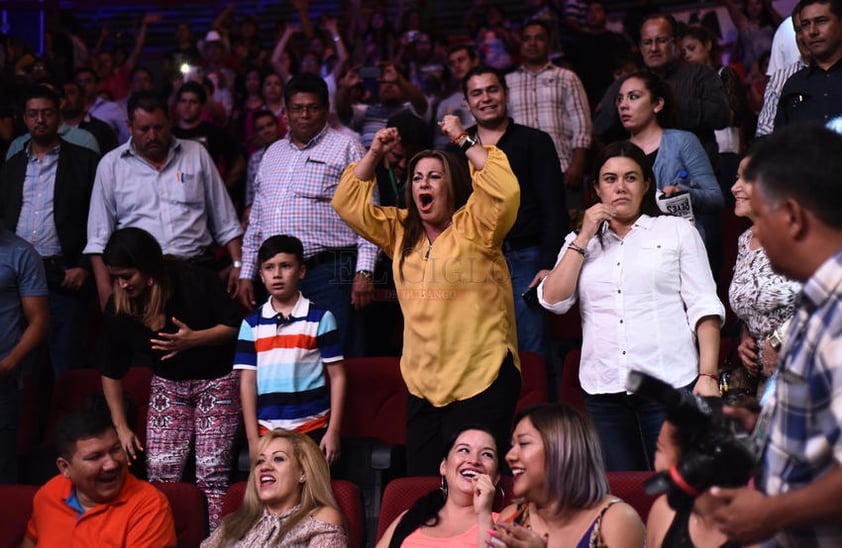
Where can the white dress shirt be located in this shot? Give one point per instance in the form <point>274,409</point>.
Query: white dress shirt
<point>640,299</point>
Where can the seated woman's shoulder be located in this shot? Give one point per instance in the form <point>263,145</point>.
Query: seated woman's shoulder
<point>328,515</point>
<point>622,527</point>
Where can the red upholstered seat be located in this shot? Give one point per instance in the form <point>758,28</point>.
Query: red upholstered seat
<point>189,510</point>
<point>629,487</point>
<point>534,374</point>
<point>16,508</point>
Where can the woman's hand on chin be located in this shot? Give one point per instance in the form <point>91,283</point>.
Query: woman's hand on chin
<point>484,490</point>
<point>593,219</point>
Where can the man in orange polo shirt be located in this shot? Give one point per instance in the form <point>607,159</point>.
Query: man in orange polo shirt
<point>94,500</point>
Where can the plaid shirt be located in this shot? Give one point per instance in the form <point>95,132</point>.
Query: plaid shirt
<point>772,95</point>
<point>552,100</point>
<point>294,188</point>
<point>799,429</point>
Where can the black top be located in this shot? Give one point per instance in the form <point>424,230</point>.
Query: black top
<point>200,301</point>
<point>811,95</point>
<point>542,216</point>
<point>216,141</point>
<point>678,535</point>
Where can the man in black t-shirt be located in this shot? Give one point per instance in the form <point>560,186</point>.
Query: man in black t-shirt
<point>190,103</point>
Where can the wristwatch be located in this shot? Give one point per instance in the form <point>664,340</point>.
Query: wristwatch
<point>367,274</point>
<point>467,142</point>
<point>775,341</point>
<point>237,264</point>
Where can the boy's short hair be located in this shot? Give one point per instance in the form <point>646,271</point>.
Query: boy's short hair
<point>280,243</point>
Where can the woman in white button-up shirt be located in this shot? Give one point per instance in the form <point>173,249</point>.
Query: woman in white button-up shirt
<point>648,303</point>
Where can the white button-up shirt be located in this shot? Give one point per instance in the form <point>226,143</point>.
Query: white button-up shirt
<point>640,299</point>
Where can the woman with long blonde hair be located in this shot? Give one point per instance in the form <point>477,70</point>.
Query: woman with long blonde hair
<point>288,501</point>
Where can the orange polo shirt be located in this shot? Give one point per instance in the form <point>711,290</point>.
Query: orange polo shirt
<point>139,517</point>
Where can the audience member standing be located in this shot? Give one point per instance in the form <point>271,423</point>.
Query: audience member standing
<point>460,60</point>
<point>166,186</point>
<point>812,95</point>
<point>552,99</point>
<point>190,102</point>
<point>796,201</point>
<point>698,90</point>
<point>532,244</point>
<point>45,190</point>
<point>294,185</point>
<point>24,324</point>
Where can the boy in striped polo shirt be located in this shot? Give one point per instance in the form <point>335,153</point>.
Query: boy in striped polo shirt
<point>283,350</point>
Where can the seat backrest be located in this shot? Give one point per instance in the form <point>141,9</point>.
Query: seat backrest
<point>629,487</point>
<point>16,509</point>
<point>534,375</point>
<point>375,401</point>
<point>189,511</point>
<point>137,384</point>
<point>402,493</point>
<point>347,497</point>
<point>570,390</point>
<point>70,391</point>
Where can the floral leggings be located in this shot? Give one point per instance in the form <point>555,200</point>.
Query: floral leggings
<point>202,413</point>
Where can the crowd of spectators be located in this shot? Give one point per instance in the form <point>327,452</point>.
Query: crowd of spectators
<point>137,189</point>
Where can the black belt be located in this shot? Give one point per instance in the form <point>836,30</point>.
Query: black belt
<point>516,244</point>
<point>329,256</point>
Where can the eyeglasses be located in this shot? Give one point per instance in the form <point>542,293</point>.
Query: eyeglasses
<point>660,40</point>
<point>300,109</point>
<point>35,114</point>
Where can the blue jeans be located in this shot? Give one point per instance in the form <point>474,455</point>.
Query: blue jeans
<point>523,265</point>
<point>628,426</point>
<point>329,286</point>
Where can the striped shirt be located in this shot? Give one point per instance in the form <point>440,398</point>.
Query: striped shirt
<point>772,95</point>
<point>36,223</point>
<point>799,428</point>
<point>552,100</point>
<point>294,187</point>
<point>288,355</point>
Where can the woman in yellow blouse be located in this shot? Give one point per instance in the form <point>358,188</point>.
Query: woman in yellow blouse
<point>459,358</point>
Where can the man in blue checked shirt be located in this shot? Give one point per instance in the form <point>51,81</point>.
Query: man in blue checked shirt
<point>295,184</point>
<point>798,219</point>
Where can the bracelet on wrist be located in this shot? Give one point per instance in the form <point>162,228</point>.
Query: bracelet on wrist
<point>578,249</point>
<point>459,139</point>
<point>710,375</point>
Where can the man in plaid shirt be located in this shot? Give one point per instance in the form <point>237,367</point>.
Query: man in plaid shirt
<point>798,219</point>
<point>294,186</point>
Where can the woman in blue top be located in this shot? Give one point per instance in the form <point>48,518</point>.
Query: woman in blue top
<point>646,108</point>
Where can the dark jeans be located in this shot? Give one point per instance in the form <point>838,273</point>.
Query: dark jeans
<point>430,428</point>
<point>10,402</point>
<point>328,284</point>
<point>628,426</point>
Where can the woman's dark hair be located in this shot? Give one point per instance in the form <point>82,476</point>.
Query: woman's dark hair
<point>626,149</point>
<point>306,83</point>
<point>668,116</point>
<point>458,178</point>
<point>133,247</point>
<point>425,510</point>
<point>703,35</point>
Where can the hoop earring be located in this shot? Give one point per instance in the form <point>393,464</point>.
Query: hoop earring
<point>443,487</point>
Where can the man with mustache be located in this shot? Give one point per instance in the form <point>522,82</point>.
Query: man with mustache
<point>811,95</point>
<point>166,186</point>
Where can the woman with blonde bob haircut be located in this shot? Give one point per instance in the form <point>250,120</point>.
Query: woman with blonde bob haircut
<point>559,473</point>
<point>288,501</point>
